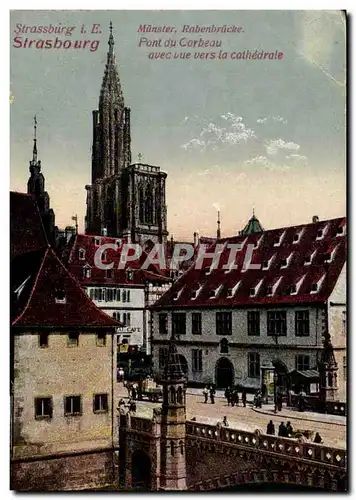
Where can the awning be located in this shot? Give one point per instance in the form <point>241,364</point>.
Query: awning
<point>310,375</point>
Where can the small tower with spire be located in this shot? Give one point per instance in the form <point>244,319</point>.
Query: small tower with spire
<point>36,188</point>
<point>173,462</point>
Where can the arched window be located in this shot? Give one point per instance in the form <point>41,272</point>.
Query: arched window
<point>81,254</point>
<point>141,202</point>
<point>172,448</point>
<point>330,379</point>
<point>181,445</point>
<point>180,396</point>
<point>173,394</point>
<point>224,346</point>
<point>157,204</point>
<point>149,205</point>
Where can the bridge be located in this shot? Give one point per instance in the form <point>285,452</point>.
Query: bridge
<point>248,457</point>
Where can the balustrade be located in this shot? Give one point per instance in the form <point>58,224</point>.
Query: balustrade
<point>287,446</point>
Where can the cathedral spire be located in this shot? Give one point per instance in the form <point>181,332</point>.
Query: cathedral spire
<point>34,152</point>
<point>111,88</point>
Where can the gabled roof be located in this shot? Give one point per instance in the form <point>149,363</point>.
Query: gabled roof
<point>45,294</point>
<point>26,230</point>
<point>288,263</point>
<point>87,243</point>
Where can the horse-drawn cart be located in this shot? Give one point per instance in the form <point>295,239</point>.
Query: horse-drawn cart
<point>149,389</point>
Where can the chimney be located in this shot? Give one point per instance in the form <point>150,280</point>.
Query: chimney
<point>195,239</point>
<point>315,219</point>
<point>218,232</point>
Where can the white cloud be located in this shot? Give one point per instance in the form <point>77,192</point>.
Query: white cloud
<point>295,158</point>
<point>265,162</point>
<point>275,119</point>
<point>213,136</point>
<point>273,146</point>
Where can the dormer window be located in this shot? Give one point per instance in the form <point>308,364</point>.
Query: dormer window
<point>340,231</point>
<point>296,238</point>
<point>267,263</point>
<point>81,254</point>
<point>129,274</point>
<point>258,242</point>
<point>309,258</point>
<point>104,257</point>
<point>178,294</point>
<point>60,296</point>
<point>96,241</point>
<point>315,287</point>
<point>195,293</point>
<point>278,240</point>
<point>285,262</point>
<point>231,292</point>
<point>252,292</point>
<point>329,257</point>
<point>292,289</point>
<point>270,290</point>
<point>87,272</point>
<point>214,293</point>
<point>321,233</point>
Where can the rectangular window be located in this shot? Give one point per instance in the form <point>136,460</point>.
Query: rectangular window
<point>302,362</point>
<point>302,323</point>
<point>196,323</point>
<point>197,360</point>
<point>253,322</point>
<point>253,361</point>
<point>344,323</point>
<point>43,340</point>
<point>178,324</point>
<point>72,405</point>
<point>223,323</point>
<point>101,339</point>
<point>128,296</point>
<point>162,357</point>
<point>43,408</point>
<point>100,403</point>
<point>344,367</point>
<point>118,294</point>
<point>277,323</point>
<point>163,323</point>
<point>73,339</point>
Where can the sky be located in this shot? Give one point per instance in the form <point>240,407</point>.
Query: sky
<point>233,135</point>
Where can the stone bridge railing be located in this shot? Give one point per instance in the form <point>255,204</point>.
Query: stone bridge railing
<point>287,447</point>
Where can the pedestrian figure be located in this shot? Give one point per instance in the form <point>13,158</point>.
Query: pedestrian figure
<point>236,397</point>
<point>289,429</point>
<point>279,401</point>
<point>270,428</point>
<point>225,422</point>
<point>244,397</point>
<point>206,392</point>
<point>301,400</point>
<point>133,393</point>
<point>228,395</point>
<point>133,406</point>
<point>317,438</point>
<point>212,394</point>
<point>282,430</point>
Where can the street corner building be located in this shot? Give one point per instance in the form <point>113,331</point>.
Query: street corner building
<point>63,368</point>
<point>274,311</point>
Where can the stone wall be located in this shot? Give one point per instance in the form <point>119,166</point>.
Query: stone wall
<point>73,472</point>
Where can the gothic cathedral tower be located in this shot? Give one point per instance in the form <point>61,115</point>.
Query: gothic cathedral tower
<point>173,463</point>
<point>123,199</point>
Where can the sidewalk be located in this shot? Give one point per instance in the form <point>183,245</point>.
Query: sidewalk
<point>219,394</point>
<point>303,415</point>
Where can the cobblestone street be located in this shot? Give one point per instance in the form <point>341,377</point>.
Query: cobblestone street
<point>331,428</point>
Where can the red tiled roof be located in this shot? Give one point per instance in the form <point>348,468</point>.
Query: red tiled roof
<point>99,276</point>
<point>180,294</point>
<point>48,281</point>
<point>26,230</point>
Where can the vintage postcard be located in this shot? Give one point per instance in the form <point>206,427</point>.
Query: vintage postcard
<point>178,251</point>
